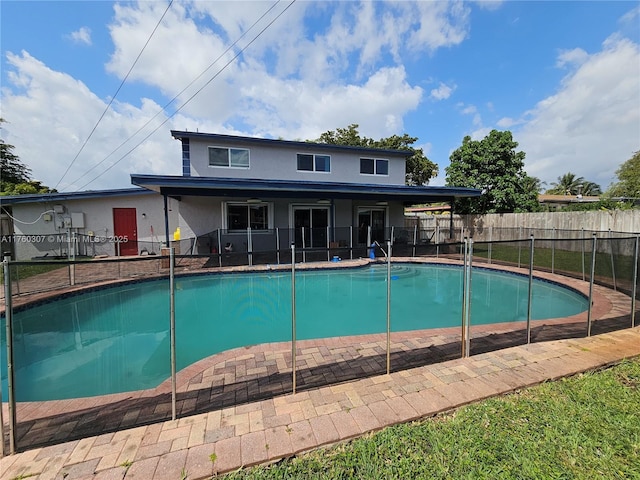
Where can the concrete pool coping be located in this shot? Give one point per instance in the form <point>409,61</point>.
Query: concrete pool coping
<point>234,403</point>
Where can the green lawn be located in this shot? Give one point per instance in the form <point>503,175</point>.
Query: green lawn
<point>561,260</point>
<point>584,427</point>
<point>26,270</point>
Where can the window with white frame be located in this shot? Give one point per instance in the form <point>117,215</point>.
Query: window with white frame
<point>308,162</point>
<point>228,157</point>
<point>374,166</point>
<point>241,216</point>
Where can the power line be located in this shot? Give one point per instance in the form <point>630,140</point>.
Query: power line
<point>176,97</point>
<point>114,95</point>
<point>190,98</point>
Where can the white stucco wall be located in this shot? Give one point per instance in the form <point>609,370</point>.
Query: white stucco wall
<point>40,230</point>
<point>269,162</point>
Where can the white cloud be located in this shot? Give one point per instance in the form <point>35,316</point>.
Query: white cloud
<point>574,57</point>
<point>441,24</point>
<point>631,16</point>
<point>507,122</point>
<point>592,124</point>
<point>472,110</point>
<point>60,111</point>
<point>82,35</point>
<point>288,83</point>
<point>489,4</point>
<point>442,92</point>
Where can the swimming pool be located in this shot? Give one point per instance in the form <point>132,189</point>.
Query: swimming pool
<point>117,339</point>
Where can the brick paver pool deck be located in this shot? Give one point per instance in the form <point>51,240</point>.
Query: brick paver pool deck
<point>238,404</point>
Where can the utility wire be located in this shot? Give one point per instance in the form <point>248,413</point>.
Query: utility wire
<point>190,98</point>
<point>176,96</point>
<point>114,95</point>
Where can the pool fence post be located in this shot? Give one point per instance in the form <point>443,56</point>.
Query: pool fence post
<point>530,298</point>
<point>490,244</point>
<point>468,301</point>
<point>278,245</point>
<point>553,249</point>
<point>613,266</point>
<point>583,269</point>
<point>437,240</point>
<point>593,272</point>
<point>519,245</point>
<point>463,338</point>
<point>351,242</point>
<point>415,238</point>
<point>172,320</point>
<point>219,249</point>
<point>293,316</point>
<point>635,283</point>
<point>388,306</point>
<point>72,257</point>
<point>8,315</point>
<point>328,244</point>
<point>249,247</point>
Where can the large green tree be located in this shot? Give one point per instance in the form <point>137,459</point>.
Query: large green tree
<point>15,177</point>
<point>570,184</point>
<point>628,184</point>
<point>494,166</point>
<point>419,169</point>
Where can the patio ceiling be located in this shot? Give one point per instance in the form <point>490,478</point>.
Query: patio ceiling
<point>177,186</point>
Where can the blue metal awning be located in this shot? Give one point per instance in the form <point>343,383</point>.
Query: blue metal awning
<point>176,186</point>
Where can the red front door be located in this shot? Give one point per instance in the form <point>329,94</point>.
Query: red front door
<point>125,230</point>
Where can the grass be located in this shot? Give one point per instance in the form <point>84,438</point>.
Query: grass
<point>26,270</point>
<point>561,260</point>
<point>583,427</point>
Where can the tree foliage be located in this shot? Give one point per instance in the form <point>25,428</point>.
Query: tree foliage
<point>15,177</point>
<point>419,169</point>
<point>492,165</point>
<point>628,184</point>
<point>569,184</point>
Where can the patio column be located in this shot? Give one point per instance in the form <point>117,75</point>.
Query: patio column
<point>166,219</point>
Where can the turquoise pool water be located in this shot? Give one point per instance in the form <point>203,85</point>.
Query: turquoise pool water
<point>117,339</point>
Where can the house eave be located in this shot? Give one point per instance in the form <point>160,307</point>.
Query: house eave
<point>233,187</point>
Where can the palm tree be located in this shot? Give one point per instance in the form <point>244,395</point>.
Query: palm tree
<point>590,189</point>
<point>567,184</point>
<point>532,184</point>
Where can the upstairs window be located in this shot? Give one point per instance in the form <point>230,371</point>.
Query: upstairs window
<point>314,163</point>
<point>228,157</point>
<point>374,166</point>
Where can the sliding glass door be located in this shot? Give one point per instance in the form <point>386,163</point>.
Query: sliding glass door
<point>374,218</point>
<point>312,222</point>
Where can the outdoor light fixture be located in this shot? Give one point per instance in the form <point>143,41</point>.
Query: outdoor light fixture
<point>254,200</point>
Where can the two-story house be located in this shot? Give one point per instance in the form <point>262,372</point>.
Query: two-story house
<point>235,193</point>
<point>260,193</point>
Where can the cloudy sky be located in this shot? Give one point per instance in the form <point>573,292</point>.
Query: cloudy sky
<point>91,89</point>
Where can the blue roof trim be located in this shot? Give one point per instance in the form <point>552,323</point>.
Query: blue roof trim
<point>214,186</point>
<point>239,140</point>
<point>60,197</point>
